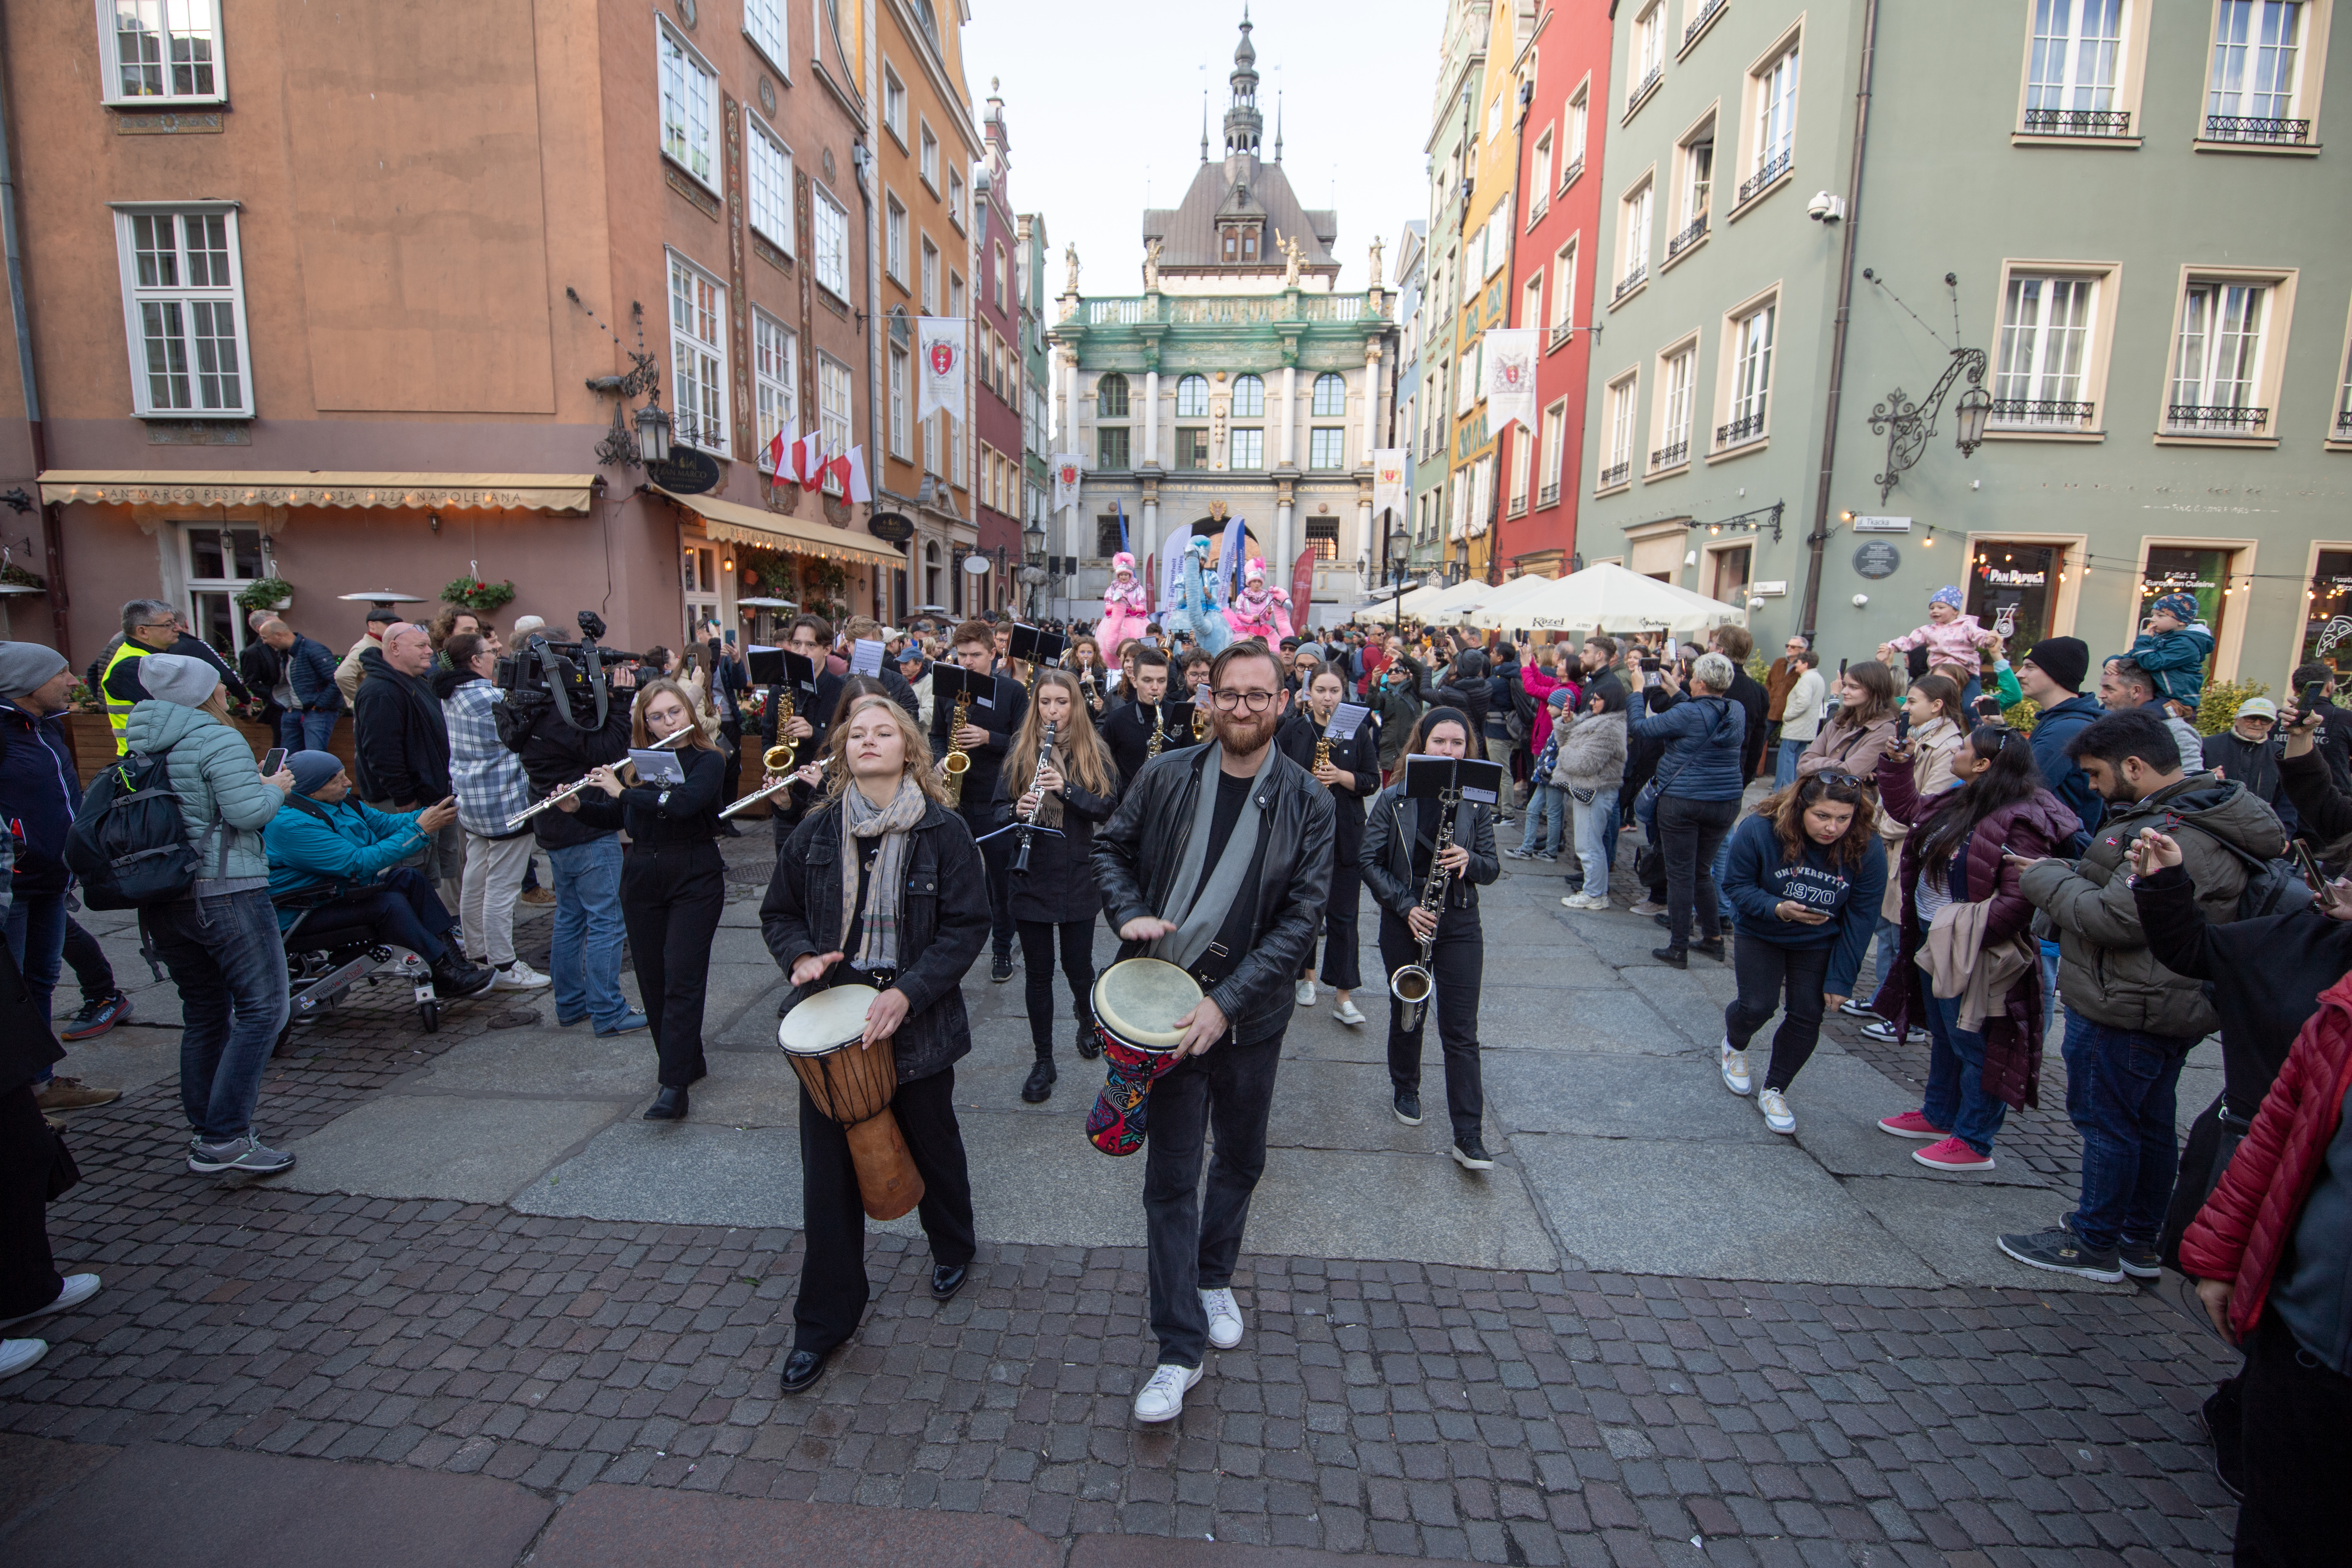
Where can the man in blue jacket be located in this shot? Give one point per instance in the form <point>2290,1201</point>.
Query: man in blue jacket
<point>2051,676</point>
<point>312,699</point>
<point>330,854</point>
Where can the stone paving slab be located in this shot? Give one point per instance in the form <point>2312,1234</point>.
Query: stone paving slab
<point>1620,1097</point>
<point>1953,1228</point>
<point>1838,1100</point>
<point>440,1146</point>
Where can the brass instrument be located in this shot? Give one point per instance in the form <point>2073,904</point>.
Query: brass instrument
<point>784,708</point>
<point>1199,720</point>
<point>1158,735</point>
<point>957,763</point>
<point>675,737</point>
<point>774,759</point>
<point>1322,752</point>
<point>1412,983</point>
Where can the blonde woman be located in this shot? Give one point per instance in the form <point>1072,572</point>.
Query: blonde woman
<point>837,912</point>
<point>1055,900</point>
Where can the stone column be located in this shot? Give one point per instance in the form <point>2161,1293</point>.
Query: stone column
<point>1371,404</point>
<point>1289,416</point>
<point>1151,542</point>
<point>1152,417</point>
<point>1278,569</point>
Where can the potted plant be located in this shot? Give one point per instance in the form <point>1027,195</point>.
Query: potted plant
<point>266,593</point>
<point>482,598</point>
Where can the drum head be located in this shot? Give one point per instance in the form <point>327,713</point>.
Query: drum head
<point>825,1021</point>
<point>1141,999</point>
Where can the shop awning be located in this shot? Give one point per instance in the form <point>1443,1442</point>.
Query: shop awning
<point>432,492</point>
<point>740,524</point>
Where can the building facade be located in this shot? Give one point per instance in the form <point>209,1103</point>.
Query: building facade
<point>1474,501</point>
<point>1452,158</point>
<point>2163,384</point>
<point>1050,593</point>
<point>255,348</point>
<point>998,482</point>
<point>1239,383</point>
<point>1412,324</point>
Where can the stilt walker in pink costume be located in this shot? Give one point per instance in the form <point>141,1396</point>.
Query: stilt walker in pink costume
<point>1282,625</point>
<point>1123,607</point>
<point>1252,614</point>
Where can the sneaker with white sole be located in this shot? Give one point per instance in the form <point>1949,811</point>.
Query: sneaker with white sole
<point>1735,1068</point>
<point>1777,1114</point>
<point>78,1288</point>
<point>1224,1317</point>
<point>16,1355</point>
<point>1586,901</point>
<point>1952,1155</point>
<point>243,1154</point>
<point>1914,1124</point>
<point>1349,1013</point>
<point>1854,1008</point>
<point>1306,993</point>
<point>517,976</point>
<point>1883,1032</point>
<point>1162,1398</point>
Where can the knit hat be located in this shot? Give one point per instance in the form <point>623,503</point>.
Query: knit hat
<point>27,666</point>
<point>2063,659</point>
<point>2181,607</point>
<point>1947,595</point>
<point>313,769</point>
<point>175,678</point>
<point>1558,697</point>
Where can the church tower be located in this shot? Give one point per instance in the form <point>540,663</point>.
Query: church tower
<point>1243,123</point>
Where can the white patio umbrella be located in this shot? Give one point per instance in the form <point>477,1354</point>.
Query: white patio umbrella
<point>1388,609</point>
<point>1440,609</point>
<point>1496,610</point>
<point>1611,599</point>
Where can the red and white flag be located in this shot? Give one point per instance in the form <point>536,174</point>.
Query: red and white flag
<point>808,456</point>
<point>779,451</point>
<point>848,472</point>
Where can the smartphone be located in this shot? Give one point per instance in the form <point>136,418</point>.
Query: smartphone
<point>271,760</point>
<point>2312,876</point>
<point>2315,693</point>
<point>1650,663</point>
<point>1988,709</point>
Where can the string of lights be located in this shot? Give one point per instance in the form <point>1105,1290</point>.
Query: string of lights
<point>2075,556</point>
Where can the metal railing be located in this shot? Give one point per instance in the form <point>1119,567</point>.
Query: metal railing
<point>1774,167</point>
<point>1691,235</point>
<point>2344,425</point>
<point>1631,282</point>
<point>1548,495</point>
<point>2040,412</point>
<point>2255,129</point>
<point>1518,505</point>
<point>1642,89</point>
<point>2226,420</point>
<point>1707,15</point>
<point>1561,332</point>
<point>1616,474</point>
<point>2078,122</point>
<point>1740,431</point>
<point>1670,456</point>
<point>1567,175</point>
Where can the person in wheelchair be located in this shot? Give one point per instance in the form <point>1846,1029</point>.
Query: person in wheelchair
<point>336,862</point>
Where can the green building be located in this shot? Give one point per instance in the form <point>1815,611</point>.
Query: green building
<point>1452,158</point>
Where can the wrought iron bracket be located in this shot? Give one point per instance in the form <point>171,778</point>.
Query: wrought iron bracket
<point>1908,426</point>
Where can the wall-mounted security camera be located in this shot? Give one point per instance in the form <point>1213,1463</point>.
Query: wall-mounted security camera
<point>1860,600</point>
<point>1825,207</point>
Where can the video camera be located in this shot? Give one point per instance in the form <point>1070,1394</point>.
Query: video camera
<point>565,672</point>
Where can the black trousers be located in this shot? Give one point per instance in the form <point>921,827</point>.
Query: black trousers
<point>671,895</point>
<point>1194,1244</point>
<point>87,960</point>
<point>2297,1425</point>
<point>1077,943</point>
<point>1340,965</point>
<point>997,855</point>
<point>834,1290</point>
<point>1767,971</point>
<point>28,1276</point>
<point>1457,962</point>
<point>1689,833</point>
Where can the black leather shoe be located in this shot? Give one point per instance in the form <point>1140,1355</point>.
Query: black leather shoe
<point>1001,970</point>
<point>1675,957</point>
<point>1714,949</point>
<point>1089,1044</point>
<point>947,1279</point>
<point>669,1105</point>
<point>1040,1087</point>
<point>803,1368</point>
<point>1661,918</point>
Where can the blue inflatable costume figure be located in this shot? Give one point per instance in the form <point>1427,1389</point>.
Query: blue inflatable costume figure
<point>1193,609</point>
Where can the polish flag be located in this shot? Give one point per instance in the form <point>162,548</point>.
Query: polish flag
<point>848,471</point>
<point>808,456</point>
<point>779,450</point>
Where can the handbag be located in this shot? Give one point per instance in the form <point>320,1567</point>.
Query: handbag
<point>2213,1139</point>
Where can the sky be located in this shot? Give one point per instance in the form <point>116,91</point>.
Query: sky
<point>1102,103</point>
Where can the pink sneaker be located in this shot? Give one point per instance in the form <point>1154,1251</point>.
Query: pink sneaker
<point>1952,1155</point>
<point>1913,1124</point>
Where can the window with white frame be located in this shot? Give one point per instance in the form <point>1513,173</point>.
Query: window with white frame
<point>1531,301</point>
<point>1247,449</point>
<point>769,174</point>
<point>2254,86</point>
<point>1772,134</point>
<point>773,376</point>
<point>1563,292</point>
<point>894,238</point>
<point>2045,341</point>
<point>690,107</point>
<point>996,276</point>
<point>1751,376</point>
<point>833,411</point>
<point>1523,463</point>
<point>1555,447</point>
<point>698,348</point>
<point>956,475</point>
<point>1675,374</point>
<point>1573,163</point>
<point>1649,51</point>
<point>1617,463</point>
<point>829,223</point>
<point>763,24</point>
<point>184,312</point>
<point>1633,221</point>
<point>2072,74</point>
<point>931,278</point>
<point>955,199</point>
<point>955,294</point>
<point>161,51</point>
<point>898,368</point>
<point>1696,158</point>
<point>894,105</point>
<point>927,160</point>
<point>219,563</point>
<point>1539,179</point>
<point>2217,370</point>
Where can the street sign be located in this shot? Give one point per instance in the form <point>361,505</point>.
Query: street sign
<point>1882,525</point>
<point>1877,559</point>
<point>891,527</point>
<point>687,472</point>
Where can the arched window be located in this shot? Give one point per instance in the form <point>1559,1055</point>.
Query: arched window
<point>1249,397</point>
<point>1330,396</point>
<point>1110,396</point>
<point>1192,397</point>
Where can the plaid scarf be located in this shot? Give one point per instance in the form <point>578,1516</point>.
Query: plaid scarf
<point>877,946</point>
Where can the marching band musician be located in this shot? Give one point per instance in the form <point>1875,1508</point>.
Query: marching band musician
<point>1351,772</point>
<point>1055,900</point>
<point>1400,843</point>
<point>1220,863</point>
<point>803,732</point>
<point>1128,729</point>
<point>990,721</point>
<point>879,885</point>
<point>673,885</point>
<point>1085,663</point>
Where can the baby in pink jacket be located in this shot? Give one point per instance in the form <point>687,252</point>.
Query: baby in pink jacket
<point>1949,637</point>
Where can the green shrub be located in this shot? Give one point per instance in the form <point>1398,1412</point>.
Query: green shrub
<point>2219,707</point>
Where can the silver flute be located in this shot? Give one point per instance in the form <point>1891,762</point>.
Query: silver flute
<point>675,737</point>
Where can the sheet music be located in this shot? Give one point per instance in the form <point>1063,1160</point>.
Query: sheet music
<point>866,658</point>
<point>657,767</point>
<point>1345,721</point>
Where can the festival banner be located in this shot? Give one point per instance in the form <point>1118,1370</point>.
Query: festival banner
<point>1302,589</point>
<point>1388,486</point>
<point>939,371</point>
<point>1510,386</point>
<point>1067,471</point>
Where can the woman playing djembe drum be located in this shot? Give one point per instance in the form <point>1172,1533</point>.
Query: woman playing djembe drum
<point>881,887</point>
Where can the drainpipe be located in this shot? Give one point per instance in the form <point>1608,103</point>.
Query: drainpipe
<point>1819,539</point>
<point>10,240</point>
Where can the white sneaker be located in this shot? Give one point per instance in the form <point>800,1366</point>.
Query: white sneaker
<point>1586,900</point>
<point>1224,1317</point>
<point>1777,1114</point>
<point>1735,1069</point>
<point>16,1355</point>
<point>1348,1012</point>
<point>1162,1398</point>
<point>79,1287</point>
<point>1306,993</point>
<point>517,976</point>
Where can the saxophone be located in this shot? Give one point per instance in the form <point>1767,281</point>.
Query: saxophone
<point>1158,735</point>
<point>1322,752</point>
<point>1412,983</point>
<point>957,763</point>
<point>1199,722</point>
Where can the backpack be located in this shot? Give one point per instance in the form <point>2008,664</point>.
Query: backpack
<point>2272,886</point>
<point>129,846</point>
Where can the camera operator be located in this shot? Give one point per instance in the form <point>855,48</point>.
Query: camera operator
<point>585,947</point>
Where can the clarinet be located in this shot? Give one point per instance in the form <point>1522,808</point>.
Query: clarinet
<point>1044,755</point>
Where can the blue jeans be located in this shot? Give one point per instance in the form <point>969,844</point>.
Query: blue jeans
<point>300,730</point>
<point>1547,804</point>
<point>2049,986</point>
<point>1723,865</point>
<point>1596,837</point>
<point>1890,943</point>
<point>37,940</point>
<point>1784,766</point>
<point>584,949</point>
<point>1957,1097</point>
<point>226,958</point>
<point>2119,1095</point>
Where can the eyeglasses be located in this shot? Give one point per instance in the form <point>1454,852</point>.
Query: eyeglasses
<point>1849,780</point>
<point>1228,701</point>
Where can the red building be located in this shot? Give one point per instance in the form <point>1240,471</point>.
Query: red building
<point>996,368</point>
<point>1563,75</point>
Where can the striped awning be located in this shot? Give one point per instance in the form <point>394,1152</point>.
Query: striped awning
<point>739,524</point>
<point>224,488</point>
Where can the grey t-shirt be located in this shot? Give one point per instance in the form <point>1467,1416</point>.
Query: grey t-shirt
<point>2313,1295</point>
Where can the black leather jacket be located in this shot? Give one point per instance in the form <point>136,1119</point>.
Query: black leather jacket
<point>943,923</point>
<point>1387,859</point>
<point>1137,851</point>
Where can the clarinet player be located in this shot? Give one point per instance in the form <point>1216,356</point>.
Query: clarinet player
<point>1400,847</point>
<point>1351,769</point>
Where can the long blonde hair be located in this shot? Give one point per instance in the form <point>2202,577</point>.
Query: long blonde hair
<point>918,750</point>
<point>1078,752</point>
<point>641,738</point>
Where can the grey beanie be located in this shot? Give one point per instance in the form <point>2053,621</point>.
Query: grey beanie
<point>175,678</point>
<point>27,666</point>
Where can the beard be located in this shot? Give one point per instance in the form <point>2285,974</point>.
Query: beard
<point>1241,733</point>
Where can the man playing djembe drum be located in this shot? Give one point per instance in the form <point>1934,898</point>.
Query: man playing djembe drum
<point>1218,861</point>
<point>880,886</point>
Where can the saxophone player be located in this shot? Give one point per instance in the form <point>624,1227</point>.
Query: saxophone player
<point>1129,728</point>
<point>990,719</point>
<point>1402,863</point>
<point>803,733</point>
<point>1351,769</point>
